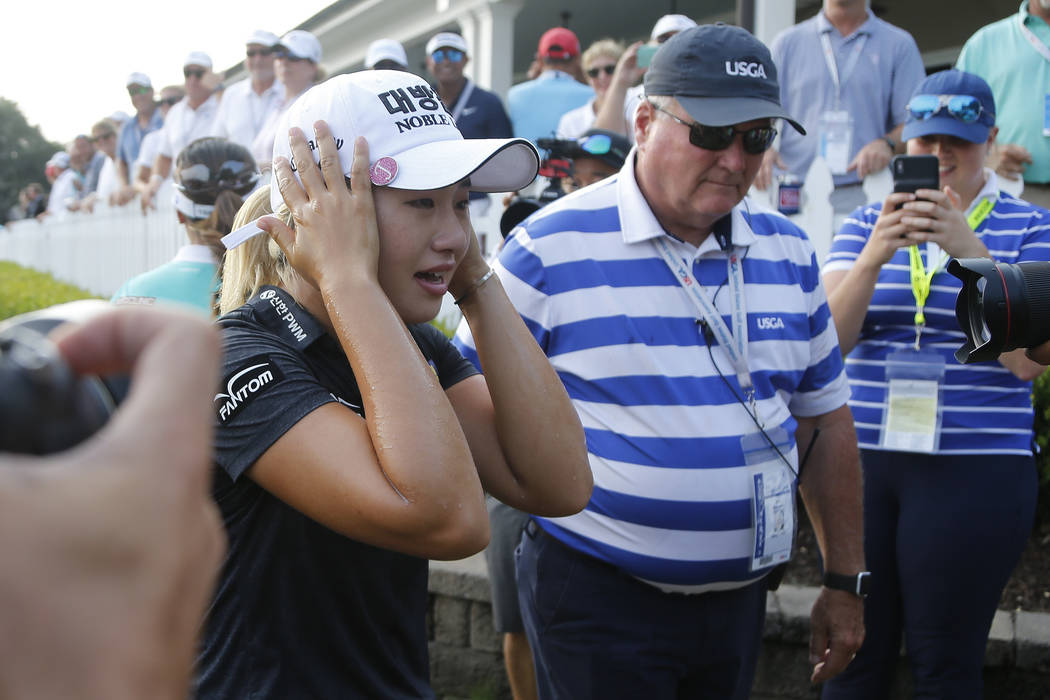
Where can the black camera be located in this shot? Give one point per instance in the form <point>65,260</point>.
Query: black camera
<point>556,165</point>
<point>1001,307</point>
<point>44,406</point>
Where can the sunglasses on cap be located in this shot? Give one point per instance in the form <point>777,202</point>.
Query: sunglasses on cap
<point>451,55</point>
<point>197,73</point>
<point>755,140</point>
<point>595,72</point>
<point>965,108</point>
<point>252,53</point>
<point>596,144</point>
<point>134,90</point>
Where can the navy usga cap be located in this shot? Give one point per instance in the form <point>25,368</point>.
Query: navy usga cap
<point>720,74</point>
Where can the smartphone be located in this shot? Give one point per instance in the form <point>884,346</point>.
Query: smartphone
<point>912,173</point>
<point>645,55</point>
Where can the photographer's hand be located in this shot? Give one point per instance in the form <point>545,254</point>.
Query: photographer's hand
<point>111,549</point>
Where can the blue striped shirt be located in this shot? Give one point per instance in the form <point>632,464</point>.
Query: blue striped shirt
<point>672,497</point>
<point>986,409</point>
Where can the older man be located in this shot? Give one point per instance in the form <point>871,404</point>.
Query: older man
<point>187,121</point>
<point>246,105</point>
<point>147,119</point>
<point>696,343</point>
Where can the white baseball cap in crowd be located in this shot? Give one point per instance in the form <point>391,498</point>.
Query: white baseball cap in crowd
<point>60,159</point>
<point>413,143</point>
<point>262,38</point>
<point>385,50</point>
<point>302,44</point>
<point>449,40</point>
<point>197,58</point>
<point>670,23</point>
<point>138,79</point>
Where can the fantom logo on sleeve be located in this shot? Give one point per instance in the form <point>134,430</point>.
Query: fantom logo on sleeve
<point>254,377</point>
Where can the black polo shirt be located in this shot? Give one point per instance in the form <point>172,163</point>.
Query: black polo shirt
<point>300,610</point>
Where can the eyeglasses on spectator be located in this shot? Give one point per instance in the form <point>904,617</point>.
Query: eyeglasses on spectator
<point>252,53</point>
<point>595,72</point>
<point>451,55</point>
<point>134,90</point>
<point>197,73</point>
<point>755,140</point>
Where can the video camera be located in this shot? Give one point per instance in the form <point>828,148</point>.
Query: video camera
<point>1001,306</point>
<point>44,406</point>
<point>557,164</point>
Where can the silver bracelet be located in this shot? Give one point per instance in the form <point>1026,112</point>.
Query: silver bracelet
<point>473,288</point>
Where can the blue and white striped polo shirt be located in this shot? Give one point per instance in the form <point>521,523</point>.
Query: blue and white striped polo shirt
<point>671,502</point>
<point>987,410</point>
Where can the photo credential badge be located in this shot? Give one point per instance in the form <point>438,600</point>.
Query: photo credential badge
<point>772,485</point>
<point>912,419</point>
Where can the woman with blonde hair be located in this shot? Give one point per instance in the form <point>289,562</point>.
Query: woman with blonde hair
<point>599,64</point>
<point>353,440</point>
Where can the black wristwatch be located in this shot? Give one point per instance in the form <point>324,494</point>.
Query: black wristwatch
<point>858,584</point>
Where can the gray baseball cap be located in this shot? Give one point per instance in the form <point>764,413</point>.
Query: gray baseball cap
<point>720,74</point>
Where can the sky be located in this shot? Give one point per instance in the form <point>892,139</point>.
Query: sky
<point>65,63</point>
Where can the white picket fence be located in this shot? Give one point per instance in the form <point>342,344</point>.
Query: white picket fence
<point>100,251</point>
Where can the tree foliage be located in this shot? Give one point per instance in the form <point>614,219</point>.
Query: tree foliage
<point>23,153</point>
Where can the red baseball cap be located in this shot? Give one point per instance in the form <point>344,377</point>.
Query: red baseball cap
<point>558,43</point>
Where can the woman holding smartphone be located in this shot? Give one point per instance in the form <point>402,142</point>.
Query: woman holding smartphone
<point>949,477</point>
<point>353,441</point>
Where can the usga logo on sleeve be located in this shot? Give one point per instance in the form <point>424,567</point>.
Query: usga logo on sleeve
<point>252,378</point>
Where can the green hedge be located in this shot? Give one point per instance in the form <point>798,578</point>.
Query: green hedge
<point>22,290</point>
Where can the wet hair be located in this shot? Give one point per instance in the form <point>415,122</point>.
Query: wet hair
<point>212,176</point>
<point>256,262</point>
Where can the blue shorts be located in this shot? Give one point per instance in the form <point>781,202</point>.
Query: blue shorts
<point>597,632</point>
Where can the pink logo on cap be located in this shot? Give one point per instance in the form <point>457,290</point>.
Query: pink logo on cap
<point>383,171</point>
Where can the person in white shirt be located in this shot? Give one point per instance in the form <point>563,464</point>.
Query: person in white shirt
<point>187,121</point>
<point>298,66</point>
<point>246,105</point>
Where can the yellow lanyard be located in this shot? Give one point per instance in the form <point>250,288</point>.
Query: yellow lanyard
<point>921,279</point>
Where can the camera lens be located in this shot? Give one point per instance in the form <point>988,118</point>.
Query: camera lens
<point>1001,306</point>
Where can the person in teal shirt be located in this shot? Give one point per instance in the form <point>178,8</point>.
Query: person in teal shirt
<point>212,177</point>
<point>1013,56</point>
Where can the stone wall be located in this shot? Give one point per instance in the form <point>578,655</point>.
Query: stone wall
<point>466,661</point>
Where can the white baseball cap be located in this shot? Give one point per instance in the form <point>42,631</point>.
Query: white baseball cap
<point>671,23</point>
<point>413,143</point>
<point>60,158</point>
<point>262,38</point>
<point>197,58</point>
<point>446,39</point>
<point>138,79</point>
<point>385,50</point>
<point>302,44</point>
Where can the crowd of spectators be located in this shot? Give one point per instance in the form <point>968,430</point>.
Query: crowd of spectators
<point>663,575</point>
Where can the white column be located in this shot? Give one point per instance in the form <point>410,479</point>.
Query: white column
<point>495,44</point>
<point>468,29</point>
<point>772,17</point>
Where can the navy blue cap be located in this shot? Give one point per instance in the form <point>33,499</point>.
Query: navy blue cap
<point>953,82</point>
<point>720,74</point>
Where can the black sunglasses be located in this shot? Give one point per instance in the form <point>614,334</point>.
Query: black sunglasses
<point>170,101</point>
<point>755,140</point>
<point>252,53</point>
<point>595,72</point>
<point>286,55</point>
<point>197,73</point>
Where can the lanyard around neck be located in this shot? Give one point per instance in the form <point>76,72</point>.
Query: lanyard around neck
<point>735,342</point>
<point>922,278</point>
<point>1035,41</point>
<point>851,63</point>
